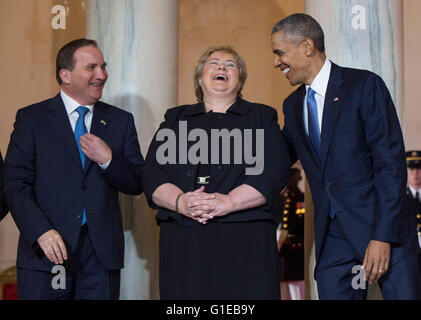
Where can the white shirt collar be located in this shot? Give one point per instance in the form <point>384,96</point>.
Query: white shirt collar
<point>71,105</point>
<point>319,84</point>
<point>413,191</point>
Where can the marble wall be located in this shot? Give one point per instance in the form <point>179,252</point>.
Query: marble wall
<point>365,34</point>
<point>139,42</point>
<point>411,73</point>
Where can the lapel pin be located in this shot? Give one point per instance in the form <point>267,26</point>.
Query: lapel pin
<point>336,99</point>
<point>103,122</point>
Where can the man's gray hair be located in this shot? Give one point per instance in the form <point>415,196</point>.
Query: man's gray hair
<point>300,26</point>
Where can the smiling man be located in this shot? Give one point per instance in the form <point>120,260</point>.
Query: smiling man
<point>342,124</point>
<point>68,158</point>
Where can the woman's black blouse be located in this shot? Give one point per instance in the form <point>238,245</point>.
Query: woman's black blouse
<point>225,174</point>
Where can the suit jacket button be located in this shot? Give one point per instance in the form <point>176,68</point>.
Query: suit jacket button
<point>327,184</point>
<point>189,173</point>
<point>79,216</point>
<point>219,167</point>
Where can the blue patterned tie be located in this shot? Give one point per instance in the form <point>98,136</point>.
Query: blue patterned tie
<point>314,128</point>
<point>80,130</point>
<point>313,122</point>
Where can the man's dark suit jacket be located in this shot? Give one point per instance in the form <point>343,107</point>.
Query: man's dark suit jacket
<point>362,172</point>
<point>3,205</point>
<point>46,187</point>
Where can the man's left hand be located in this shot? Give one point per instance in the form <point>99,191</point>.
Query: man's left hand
<point>95,148</point>
<point>376,260</point>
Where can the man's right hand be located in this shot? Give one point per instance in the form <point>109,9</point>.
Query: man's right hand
<point>53,246</point>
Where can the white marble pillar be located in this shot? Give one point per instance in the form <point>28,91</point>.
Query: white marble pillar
<point>139,40</point>
<point>364,34</point>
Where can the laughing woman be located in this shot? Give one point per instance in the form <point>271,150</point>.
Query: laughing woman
<point>213,171</point>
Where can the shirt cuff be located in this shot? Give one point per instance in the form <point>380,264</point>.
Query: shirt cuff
<point>105,165</point>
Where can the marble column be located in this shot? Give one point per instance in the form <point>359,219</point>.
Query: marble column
<point>364,34</point>
<point>139,40</point>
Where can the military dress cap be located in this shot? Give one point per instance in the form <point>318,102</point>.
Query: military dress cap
<point>413,159</point>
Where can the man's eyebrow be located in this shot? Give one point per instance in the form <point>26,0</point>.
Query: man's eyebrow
<point>92,64</point>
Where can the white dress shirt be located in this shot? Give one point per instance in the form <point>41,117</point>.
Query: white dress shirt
<point>319,85</point>
<point>71,106</point>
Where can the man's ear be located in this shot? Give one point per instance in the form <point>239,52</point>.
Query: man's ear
<point>308,46</point>
<point>65,76</point>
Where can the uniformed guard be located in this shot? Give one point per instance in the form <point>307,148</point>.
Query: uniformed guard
<point>413,163</point>
<point>291,239</point>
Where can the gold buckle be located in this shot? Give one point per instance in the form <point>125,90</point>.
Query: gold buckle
<point>203,180</point>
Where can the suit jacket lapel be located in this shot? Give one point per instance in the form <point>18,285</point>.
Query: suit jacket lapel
<point>99,126</point>
<point>332,105</point>
<point>60,122</point>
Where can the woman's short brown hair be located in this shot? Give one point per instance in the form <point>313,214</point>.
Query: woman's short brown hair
<point>198,70</point>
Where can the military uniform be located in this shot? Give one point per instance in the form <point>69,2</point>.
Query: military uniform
<point>413,193</point>
<point>413,197</point>
<point>292,220</point>
<point>414,206</point>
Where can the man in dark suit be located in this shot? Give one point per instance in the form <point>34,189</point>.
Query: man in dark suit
<point>3,205</point>
<point>67,159</point>
<point>342,124</point>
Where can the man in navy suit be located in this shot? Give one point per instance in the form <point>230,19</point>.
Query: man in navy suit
<point>342,124</point>
<point>68,158</point>
<point>3,205</point>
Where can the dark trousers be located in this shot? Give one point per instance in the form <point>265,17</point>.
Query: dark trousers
<point>336,281</point>
<point>85,278</point>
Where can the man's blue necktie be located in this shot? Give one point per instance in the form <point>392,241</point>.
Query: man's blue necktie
<point>314,128</point>
<point>80,130</point>
<point>313,122</point>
